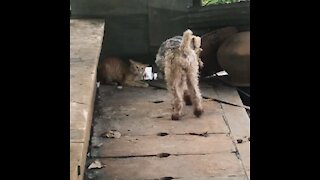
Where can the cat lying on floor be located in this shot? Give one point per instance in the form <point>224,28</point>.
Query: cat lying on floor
<point>114,69</point>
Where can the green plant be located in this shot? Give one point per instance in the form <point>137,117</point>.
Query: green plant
<point>208,2</point>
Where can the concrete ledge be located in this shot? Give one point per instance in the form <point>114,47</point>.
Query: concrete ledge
<point>85,44</point>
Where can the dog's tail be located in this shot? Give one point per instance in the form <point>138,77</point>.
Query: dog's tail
<point>186,40</point>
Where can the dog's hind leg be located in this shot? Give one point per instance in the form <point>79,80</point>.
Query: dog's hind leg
<point>177,92</point>
<point>196,98</point>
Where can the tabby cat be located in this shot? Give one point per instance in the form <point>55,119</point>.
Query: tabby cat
<point>114,69</point>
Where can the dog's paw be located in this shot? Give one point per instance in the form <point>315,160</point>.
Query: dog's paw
<point>175,117</point>
<point>198,112</point>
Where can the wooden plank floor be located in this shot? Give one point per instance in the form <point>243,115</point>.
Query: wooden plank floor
<point>85,43</point>
<point>152,146</point>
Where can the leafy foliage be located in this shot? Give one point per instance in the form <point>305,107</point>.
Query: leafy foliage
<point>209,2</point>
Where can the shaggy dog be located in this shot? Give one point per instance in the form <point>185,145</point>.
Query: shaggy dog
<point>174,43</point>
<point>180,62</point>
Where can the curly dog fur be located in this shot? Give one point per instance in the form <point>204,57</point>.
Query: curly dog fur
<point>196,43</point>
<point>181,69</point>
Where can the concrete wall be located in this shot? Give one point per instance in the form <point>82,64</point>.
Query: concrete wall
<point>136,28</point>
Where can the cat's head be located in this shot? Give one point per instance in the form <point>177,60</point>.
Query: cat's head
<point>137,67</point>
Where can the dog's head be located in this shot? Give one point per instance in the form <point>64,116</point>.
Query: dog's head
<point>196,42</point>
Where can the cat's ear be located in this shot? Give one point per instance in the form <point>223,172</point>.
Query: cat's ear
<point>132,61</point>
